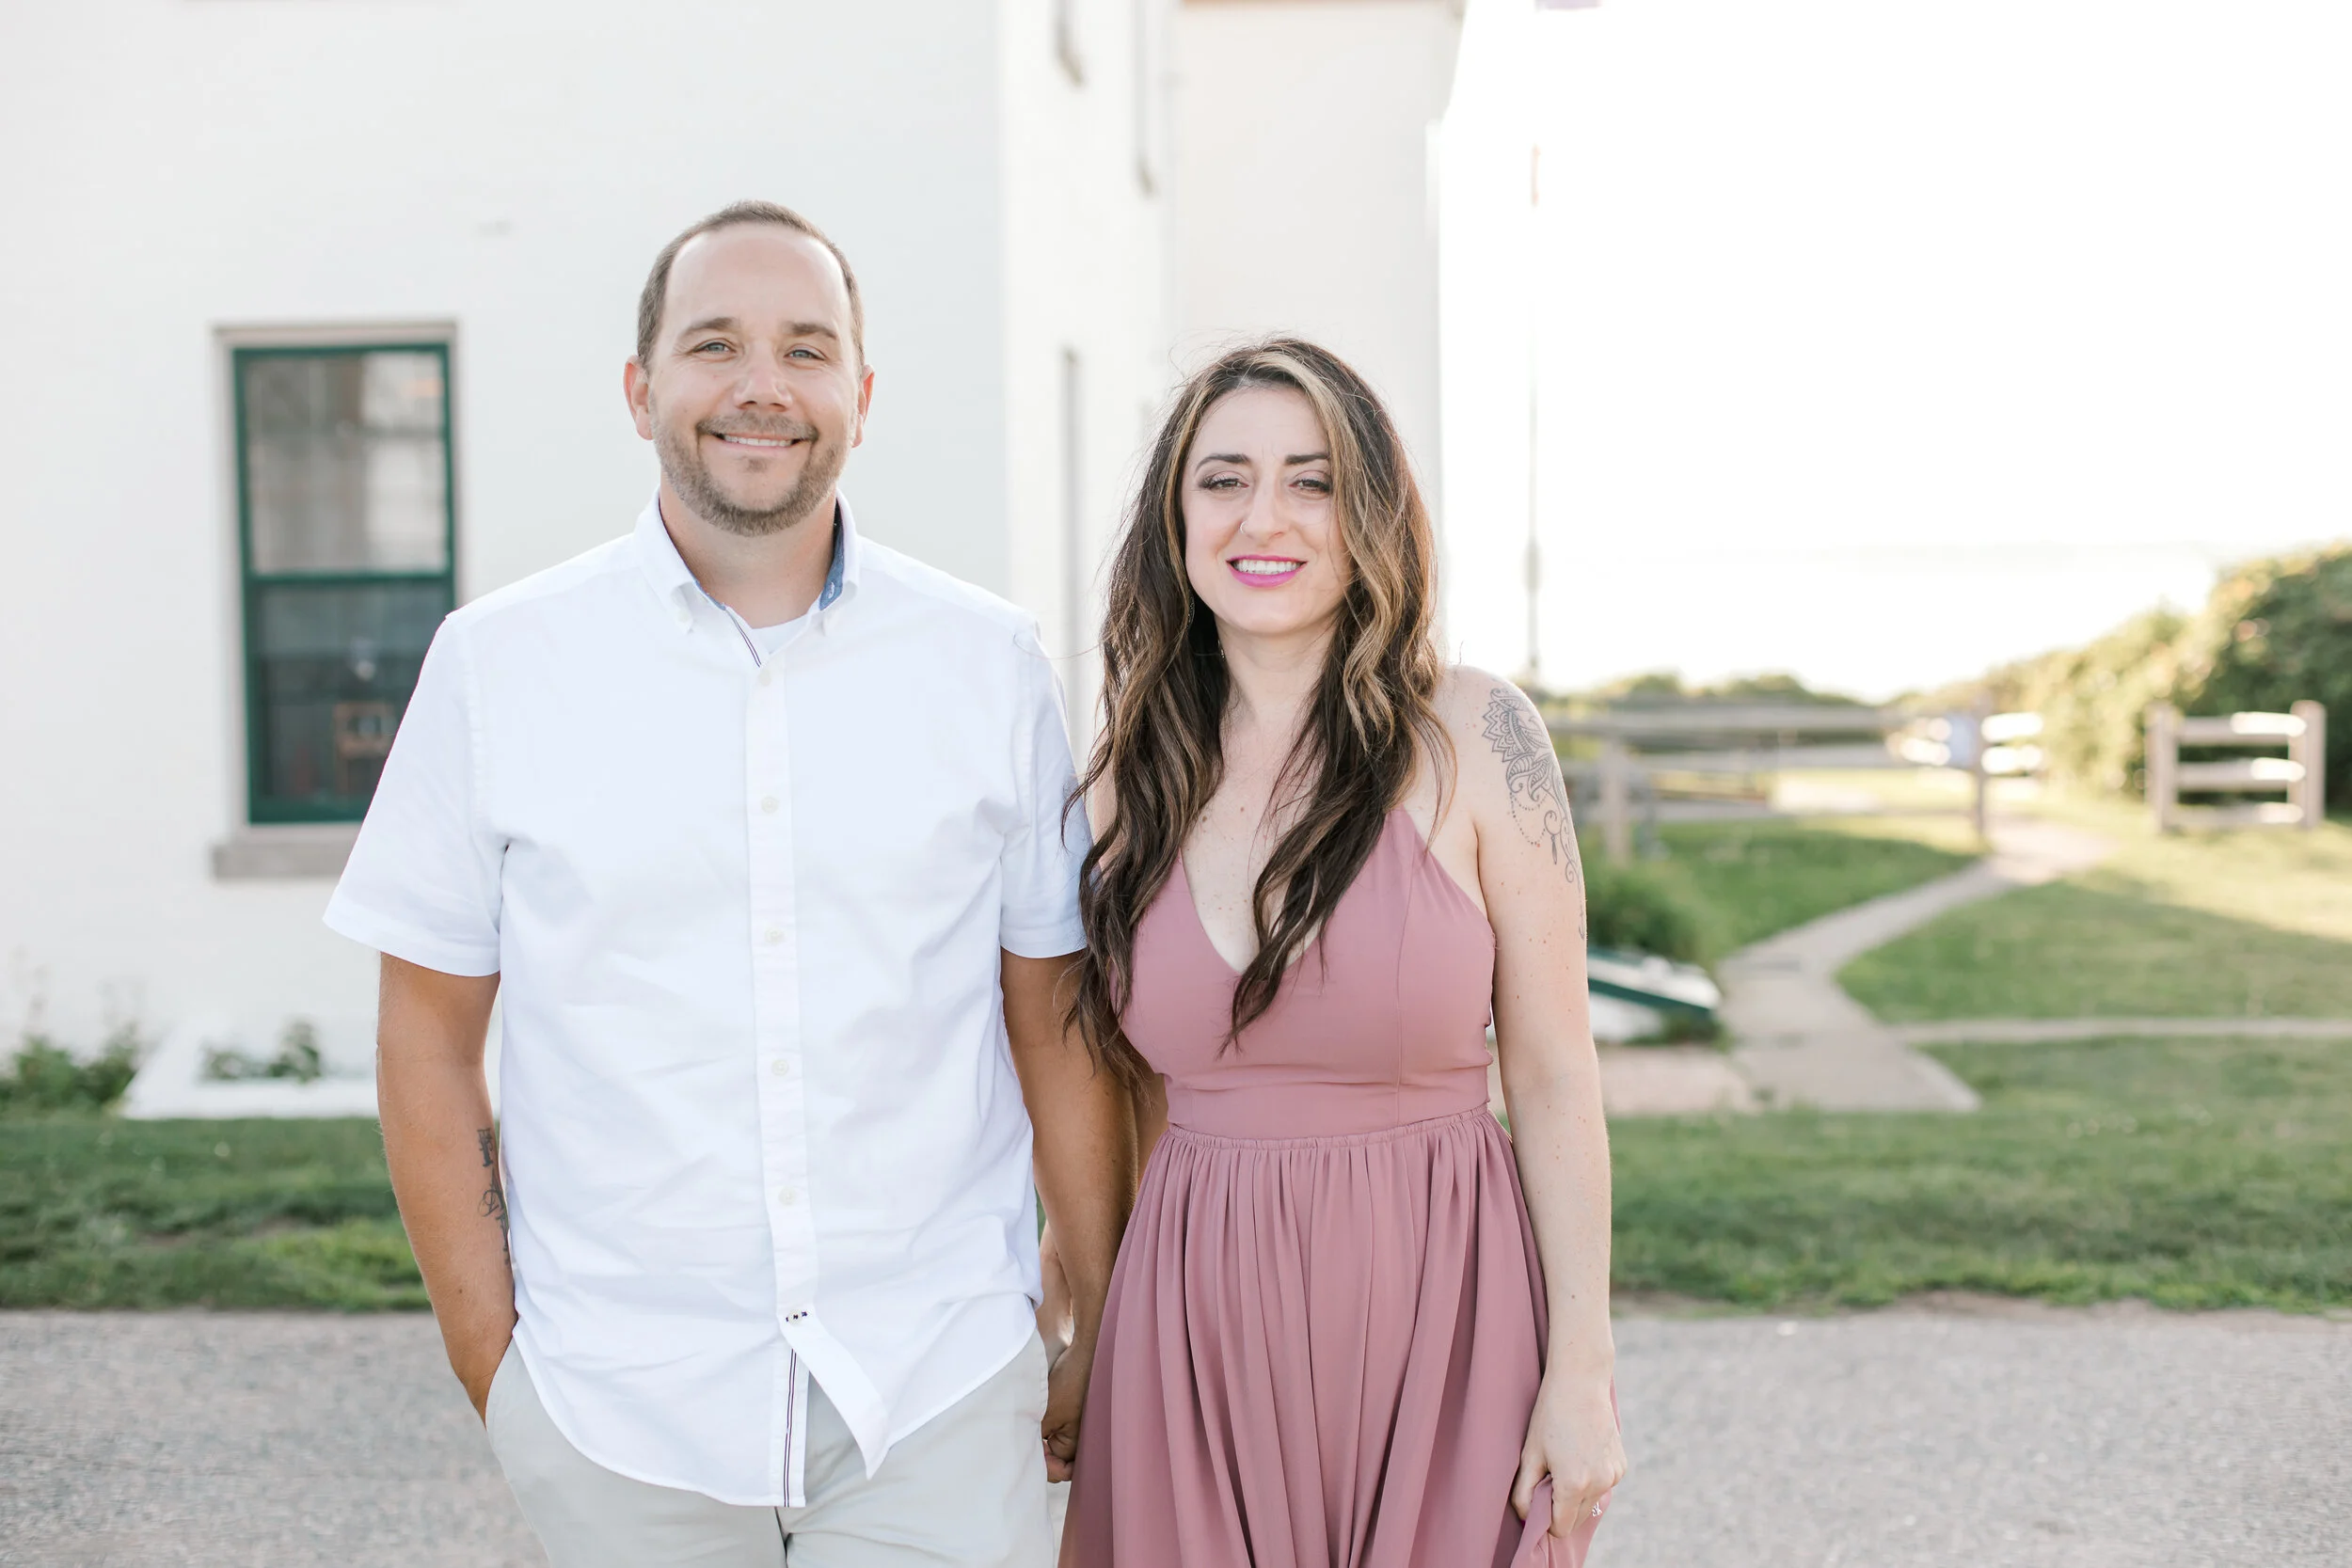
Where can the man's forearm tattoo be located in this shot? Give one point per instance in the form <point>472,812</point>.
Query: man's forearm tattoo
<point>493,1206</point>
<point>1539,798</point>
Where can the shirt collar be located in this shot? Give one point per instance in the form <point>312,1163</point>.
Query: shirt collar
<point>674,583</point>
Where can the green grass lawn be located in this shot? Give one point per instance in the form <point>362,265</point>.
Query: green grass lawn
<point>2237,925</point>
<point>1751,878</point>
<point>2192,1173</point>
<point>99,1212</point>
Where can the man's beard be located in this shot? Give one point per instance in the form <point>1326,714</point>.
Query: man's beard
<point>682,464</point>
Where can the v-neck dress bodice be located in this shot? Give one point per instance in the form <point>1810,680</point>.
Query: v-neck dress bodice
<point>1382,1021</point>
<point>1326,1328</point>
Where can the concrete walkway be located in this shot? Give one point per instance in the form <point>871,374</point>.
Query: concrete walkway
<point>1653,1081</point>
<point>2037,1030</point>
<point>1949,1433</point>
<point>1799,1040</point>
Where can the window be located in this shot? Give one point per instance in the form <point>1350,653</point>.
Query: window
<point>1066,41</point>
<point>346,538</point>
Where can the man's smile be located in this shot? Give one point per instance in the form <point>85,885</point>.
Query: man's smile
<point>766,443</point>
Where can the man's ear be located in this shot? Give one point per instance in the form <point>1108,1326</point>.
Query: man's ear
<point>864,403</point>
<point>637,387</point>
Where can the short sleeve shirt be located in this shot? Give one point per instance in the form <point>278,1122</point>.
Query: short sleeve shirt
<point>759,1116</point>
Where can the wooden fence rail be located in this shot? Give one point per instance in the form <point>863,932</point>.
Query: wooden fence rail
<point>1636,744</point>
<point>2301,774</point>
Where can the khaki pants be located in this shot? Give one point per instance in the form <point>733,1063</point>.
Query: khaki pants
<point>964,1490</point>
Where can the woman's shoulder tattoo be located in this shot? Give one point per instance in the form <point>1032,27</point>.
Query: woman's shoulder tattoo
<point>1531,770</point>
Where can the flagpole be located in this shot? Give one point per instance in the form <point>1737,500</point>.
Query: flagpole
<point>1535,383</point>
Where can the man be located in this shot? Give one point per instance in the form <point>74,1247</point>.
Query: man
<point>757,829</point>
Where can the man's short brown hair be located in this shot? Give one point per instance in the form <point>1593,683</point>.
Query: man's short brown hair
<point>656,292</point>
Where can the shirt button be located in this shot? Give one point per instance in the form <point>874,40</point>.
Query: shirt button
<point>769,803</point>
<point>787,1197</point>
<point>781,1068</point>
<point>771,936</point>
<point>767,677</point>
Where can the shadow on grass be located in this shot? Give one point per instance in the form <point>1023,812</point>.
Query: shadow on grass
<point>2191,1173</point>
<point>1753,879</point>
<point>2103,947</point>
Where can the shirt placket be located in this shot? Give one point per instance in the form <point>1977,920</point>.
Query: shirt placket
<point>781,1071</point>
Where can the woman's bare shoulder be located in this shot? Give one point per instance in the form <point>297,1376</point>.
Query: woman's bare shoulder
<point>1490,720</point>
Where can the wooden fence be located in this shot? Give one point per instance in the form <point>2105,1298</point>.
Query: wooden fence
<point>1635,744</point>
<point>2301,774</point>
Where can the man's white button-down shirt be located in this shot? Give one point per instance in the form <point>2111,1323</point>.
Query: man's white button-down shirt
<point>759,1116</point>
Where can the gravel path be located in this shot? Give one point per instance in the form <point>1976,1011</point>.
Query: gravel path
<point>1998,1436</point>
<point>1971,1435</point>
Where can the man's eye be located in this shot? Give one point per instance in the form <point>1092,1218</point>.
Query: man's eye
<point>705,348</point>
<point>805,353</point>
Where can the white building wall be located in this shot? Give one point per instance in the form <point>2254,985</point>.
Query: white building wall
<point>508,169</point>
<point>1306,196</point>
<point>1086,171</point>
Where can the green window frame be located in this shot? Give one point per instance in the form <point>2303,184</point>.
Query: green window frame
<point>345,571</point>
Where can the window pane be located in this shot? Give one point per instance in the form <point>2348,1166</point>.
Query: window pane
<point>345,463</point>
<point>332,671</point>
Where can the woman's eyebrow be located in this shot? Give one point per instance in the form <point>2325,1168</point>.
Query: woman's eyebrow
<point>1295,458</point>
<point>1221,458</point>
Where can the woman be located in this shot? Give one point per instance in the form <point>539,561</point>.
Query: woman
<point>1321,856</point>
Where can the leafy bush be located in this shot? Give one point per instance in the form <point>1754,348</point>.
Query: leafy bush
<point>1632,907</point>
<point>1665,688</point>
<point>44,1076</point>
<point>2275,631</point>
<point>2094,700</point>
<point>297,1058</point>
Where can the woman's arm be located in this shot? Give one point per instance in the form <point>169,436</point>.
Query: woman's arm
<point>1057,1311</point>
<point>1140,1118</point>
<point>1529,872</point>
<point>1150,1119</point>
<point>1150,1096</point>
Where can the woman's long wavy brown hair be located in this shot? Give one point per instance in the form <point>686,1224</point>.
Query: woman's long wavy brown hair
<point>1165,693</point>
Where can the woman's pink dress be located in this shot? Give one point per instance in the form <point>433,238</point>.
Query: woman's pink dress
<point>1325,1327</point>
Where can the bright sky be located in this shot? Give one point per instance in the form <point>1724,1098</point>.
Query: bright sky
<point>1884,340</point>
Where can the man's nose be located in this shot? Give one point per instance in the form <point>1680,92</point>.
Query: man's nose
<point>764,380</point>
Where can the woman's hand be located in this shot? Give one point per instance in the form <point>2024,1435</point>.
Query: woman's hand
<point>1065,1405</point>
<point>1571,1437</point>
<point>1069,1366</point>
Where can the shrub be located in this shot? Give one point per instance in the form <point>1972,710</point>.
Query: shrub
<point>2094,700</point>
<point>1630,907</point>
<point>44,1076</point>
<point>2276,632</point>
<point>297,1058</point>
